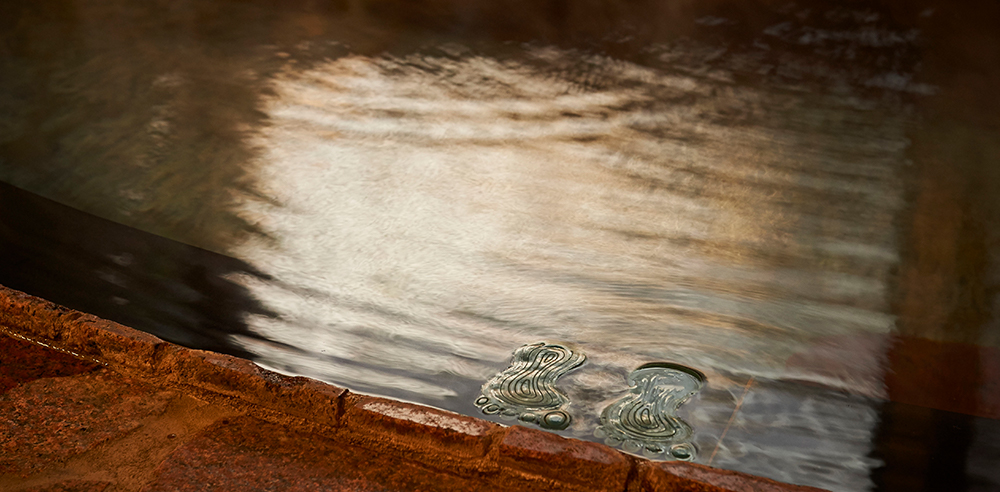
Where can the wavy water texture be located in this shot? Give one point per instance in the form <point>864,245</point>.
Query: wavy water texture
<point>437,209</point>
<point>418,206</point>
<point>408,211</point>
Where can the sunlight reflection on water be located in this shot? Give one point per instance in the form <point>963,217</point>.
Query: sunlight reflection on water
<point>431,212</point>
<point>413,209</point>
<point>476,218</point>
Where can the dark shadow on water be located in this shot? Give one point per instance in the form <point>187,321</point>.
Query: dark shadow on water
<point>939,430</point>
<point>174,291</point>
<point>922,448</point>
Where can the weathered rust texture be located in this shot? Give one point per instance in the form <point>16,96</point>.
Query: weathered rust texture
<point>424,433</point>
<point>84,334</point>
<point>49,420</point>
<point>689,474</point>
<point>593,465</point>
<point>22,361</point>
<point>239,378</point>
<point>248,454</point>
<point>72,486</point>
<point>652,478</point>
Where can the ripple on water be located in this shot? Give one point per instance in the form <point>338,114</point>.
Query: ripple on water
<point>645,420</point>
<point>526,390</point>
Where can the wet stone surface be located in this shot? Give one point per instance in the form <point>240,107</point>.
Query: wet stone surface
<point>72,486</point>
<point>119,428</point>
<point>698,478</point>
<point>22,361</point>
<point>49,420</point>
<point>455,441</point>
<point>584,462</point>
<point>406,191</point>
<point>252,455</point>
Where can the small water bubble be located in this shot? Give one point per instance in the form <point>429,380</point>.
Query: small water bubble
<point>529,389</point>
<point>682,452</point>
<point>645,420</point>
<point>556,420</point>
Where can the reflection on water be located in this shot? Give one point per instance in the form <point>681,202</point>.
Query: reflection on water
<point>411,194</point>
<point>643,212</point>
<point>474,216</point>
<point>140,125</point>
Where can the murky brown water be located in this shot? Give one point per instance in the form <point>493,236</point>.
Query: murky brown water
<point>795,200</point>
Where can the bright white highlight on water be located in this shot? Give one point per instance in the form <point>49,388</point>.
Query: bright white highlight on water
<point>433,213</point>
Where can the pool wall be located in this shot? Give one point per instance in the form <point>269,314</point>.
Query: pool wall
<point>443,446</point>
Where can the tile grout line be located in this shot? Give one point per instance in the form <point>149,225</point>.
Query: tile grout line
<point>731,418</point>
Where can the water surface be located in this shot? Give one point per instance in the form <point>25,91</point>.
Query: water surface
<point>789,199</point>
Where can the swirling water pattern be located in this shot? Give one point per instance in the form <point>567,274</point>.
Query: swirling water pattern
<point>526,390</point>
<point>646,419</point>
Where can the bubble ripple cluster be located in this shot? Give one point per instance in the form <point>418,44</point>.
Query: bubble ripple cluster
<point>526,389</point>
<point>645,420</point>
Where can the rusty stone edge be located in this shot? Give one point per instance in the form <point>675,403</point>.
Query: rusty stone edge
<point>438,438</point>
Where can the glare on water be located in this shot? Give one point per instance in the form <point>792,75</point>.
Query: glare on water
<point>407,208</point>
